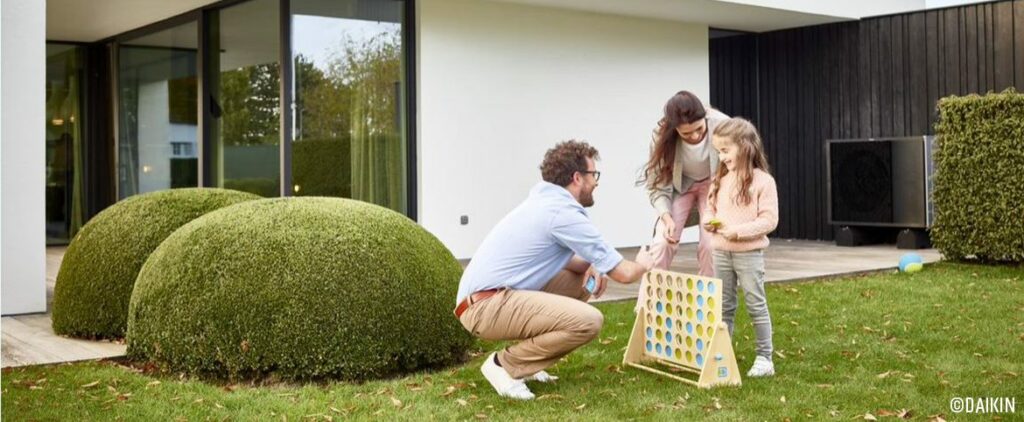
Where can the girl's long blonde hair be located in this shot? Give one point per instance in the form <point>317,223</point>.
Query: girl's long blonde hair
<point>750,153</point>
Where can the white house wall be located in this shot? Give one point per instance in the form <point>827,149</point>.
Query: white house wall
<point>22,156</point>
<point>500,83</point>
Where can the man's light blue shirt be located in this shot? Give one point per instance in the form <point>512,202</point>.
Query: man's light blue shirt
<point>534,242</point>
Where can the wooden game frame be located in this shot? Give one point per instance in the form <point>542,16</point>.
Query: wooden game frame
<point>719,369</point>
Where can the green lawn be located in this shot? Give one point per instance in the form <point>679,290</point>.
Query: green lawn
<point>874,344</point>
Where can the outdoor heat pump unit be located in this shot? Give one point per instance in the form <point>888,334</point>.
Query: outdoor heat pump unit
<point>880,183</point>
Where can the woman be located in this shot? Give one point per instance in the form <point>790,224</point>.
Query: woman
<point>678,175</point>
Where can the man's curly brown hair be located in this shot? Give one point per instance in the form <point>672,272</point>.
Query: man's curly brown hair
<point>565,159</point>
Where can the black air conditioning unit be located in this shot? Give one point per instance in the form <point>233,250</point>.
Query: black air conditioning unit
<point>883,182</point>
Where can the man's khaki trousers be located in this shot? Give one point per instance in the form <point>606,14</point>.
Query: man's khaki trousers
<point>551,323</point>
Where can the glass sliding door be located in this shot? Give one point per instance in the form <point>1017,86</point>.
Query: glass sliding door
<point>349,109</point>
<point>243,68</point>
<point>64,159</point>
<point>157,111</point>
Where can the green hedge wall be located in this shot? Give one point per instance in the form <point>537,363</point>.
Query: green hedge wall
<point>322,167</point>
<point>979,181</point>
<point>298,288</point>
<point>98,272</point>
<point>264,187</point>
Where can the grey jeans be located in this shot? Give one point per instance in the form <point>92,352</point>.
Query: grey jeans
<point>746,270</point>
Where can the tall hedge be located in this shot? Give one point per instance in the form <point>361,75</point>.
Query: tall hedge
<point>322,167</point>
<point>98,272</point>
<point>979,182</point>
<point>298,288</point>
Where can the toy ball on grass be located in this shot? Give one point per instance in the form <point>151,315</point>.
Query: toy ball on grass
<point>911,263</point>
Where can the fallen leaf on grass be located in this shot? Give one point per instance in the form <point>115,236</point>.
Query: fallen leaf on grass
<point>448,391</point>
<point>782,399</point>
<point>91,384</point>
<point>480,416</point>
<point>396,402</point>
<point>462,402</point>
<point>870,417</point>
<point>580,407</point>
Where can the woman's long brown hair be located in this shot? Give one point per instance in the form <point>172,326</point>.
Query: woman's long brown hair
<point>744,136</point>
<point>682,108</point>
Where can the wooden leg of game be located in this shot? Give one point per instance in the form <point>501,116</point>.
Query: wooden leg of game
<point>635,347</point>
<point>720,368</point>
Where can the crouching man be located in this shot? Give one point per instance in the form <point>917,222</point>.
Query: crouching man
<point>528,280</point>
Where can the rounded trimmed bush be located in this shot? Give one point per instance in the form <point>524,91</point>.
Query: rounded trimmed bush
<point>298,288</point>
<point>98,272</point>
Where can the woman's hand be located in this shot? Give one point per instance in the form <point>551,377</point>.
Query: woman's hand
<point>669,228</point>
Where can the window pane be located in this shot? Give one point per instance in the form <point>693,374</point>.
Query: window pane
<point>349,111</point>
<point>157,109</point>
<point>245,85</point>
<point>63,142</point>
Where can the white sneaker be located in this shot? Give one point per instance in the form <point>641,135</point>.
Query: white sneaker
<point>763,367</point>
<point>541,376</point>
<point>503,383</point>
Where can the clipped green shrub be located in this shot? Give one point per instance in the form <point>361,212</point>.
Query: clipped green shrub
<point>98,272</point>
<point>298,288</point>
<point>979,181</point>
<point>322,167</point>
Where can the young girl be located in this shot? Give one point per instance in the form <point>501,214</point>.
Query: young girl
<point>743,207</point>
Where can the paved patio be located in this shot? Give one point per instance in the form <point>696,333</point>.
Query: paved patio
<point>29,339</point>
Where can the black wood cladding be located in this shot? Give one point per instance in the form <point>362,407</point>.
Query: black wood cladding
<point>877,77</point>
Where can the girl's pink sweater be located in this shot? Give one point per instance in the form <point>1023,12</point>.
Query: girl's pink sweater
<point>753,221</point>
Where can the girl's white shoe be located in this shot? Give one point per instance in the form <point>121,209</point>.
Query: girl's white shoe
<point>763,367</point>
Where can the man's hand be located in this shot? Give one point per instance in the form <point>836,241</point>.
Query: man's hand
<point>600,281</point>
<point>670,227</point>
